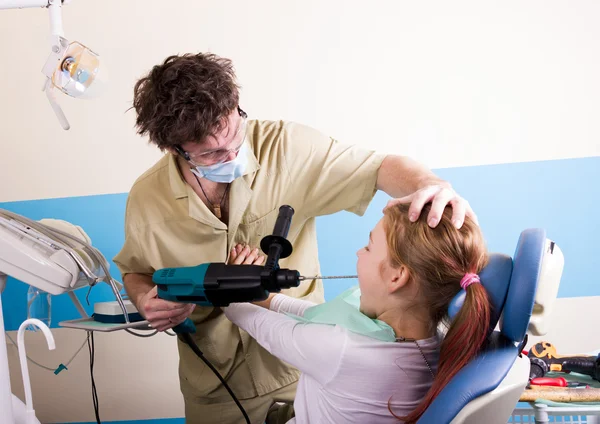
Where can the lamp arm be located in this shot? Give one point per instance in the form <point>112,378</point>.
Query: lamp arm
<point>23,4</point>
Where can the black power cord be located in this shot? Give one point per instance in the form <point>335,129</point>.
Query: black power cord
<point>90,342</point>
<point>190,342</point>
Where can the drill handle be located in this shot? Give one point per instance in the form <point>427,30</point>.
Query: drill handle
<point>277,246</point>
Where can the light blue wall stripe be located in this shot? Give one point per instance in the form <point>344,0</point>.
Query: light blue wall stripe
<point>561,196</point>
<point>102,217</point>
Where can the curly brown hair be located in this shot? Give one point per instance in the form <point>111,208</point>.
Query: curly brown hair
<point>186,98</point>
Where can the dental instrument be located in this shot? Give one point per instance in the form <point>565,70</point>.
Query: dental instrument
<point>43,255</point>
<point>30,417</point>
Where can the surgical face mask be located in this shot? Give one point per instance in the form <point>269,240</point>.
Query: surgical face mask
<point>225,172</point>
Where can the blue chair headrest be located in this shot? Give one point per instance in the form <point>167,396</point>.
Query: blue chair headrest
<point>523,284</point>
<point>511,287</point>
<point>495,277</point>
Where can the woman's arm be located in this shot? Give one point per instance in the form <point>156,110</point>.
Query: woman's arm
<point>243,254</point>
<point>315,349</point>
<point>291,305</point>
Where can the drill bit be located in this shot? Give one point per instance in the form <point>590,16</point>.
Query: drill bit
<point>332,277</point>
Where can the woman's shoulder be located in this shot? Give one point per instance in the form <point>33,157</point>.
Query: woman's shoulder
<point>364,349</point>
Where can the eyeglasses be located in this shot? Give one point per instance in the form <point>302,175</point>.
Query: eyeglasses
<point>218,156</point>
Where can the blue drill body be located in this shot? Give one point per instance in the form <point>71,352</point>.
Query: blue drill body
<point>218,284</point>
<point>185,281</point>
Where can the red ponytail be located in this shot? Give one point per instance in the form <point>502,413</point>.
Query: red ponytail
<point>464,339</point>
<point>441,260</point>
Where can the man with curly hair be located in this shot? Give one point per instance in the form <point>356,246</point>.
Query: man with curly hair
<point>218,188</point>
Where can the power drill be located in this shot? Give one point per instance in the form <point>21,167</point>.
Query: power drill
<point>219,284</point>
<point>544,358</point>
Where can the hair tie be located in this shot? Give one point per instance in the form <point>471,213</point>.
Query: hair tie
<point>469,279</point>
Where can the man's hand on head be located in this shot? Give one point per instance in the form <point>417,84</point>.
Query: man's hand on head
<point>440,196</point>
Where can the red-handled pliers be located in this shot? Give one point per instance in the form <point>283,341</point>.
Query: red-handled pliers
<point>549,381</point>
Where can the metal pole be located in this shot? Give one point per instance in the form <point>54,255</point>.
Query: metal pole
<point>22,4</point>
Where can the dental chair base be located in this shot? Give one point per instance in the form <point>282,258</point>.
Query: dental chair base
<point>485,408</point>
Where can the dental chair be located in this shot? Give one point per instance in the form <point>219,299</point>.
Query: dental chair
<point>522,291</point>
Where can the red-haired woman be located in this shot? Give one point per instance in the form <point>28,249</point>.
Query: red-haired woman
<point>408,273</point>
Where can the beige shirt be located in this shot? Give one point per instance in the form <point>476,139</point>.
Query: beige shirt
<point>168,225</point>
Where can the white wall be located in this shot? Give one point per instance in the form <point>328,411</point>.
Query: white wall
<point>136,378</point>
<point>448,83</point>
<point>571,334</point>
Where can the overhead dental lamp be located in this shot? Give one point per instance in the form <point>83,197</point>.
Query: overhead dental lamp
<point>71,67</point>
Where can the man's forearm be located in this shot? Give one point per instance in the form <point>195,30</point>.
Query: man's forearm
<point>136,286</point>
<point>400,176</point>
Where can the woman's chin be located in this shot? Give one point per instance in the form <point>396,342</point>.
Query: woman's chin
<point>362,311</point>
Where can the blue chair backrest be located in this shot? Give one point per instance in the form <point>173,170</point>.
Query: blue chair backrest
<point>511,286</point>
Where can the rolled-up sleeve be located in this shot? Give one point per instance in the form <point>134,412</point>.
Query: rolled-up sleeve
<point>131,259</point>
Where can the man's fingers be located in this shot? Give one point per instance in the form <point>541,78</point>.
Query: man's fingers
<point>158,308</point>
<point>163,322</point>
<point>241,256</point>
<point>190,308</point>
<point>471,214</point>
<point>440,196</point>
<point>245,255</point>
<point>251,257</point>
<point>405,199</point>
<point>459,209</point>
<point>172,315</point>
<point>162,315</point>
<point>165,305</point>
<point>419,200</point>
<point>440,200</point>
<point>178,319</point>
<point>151,304</point>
